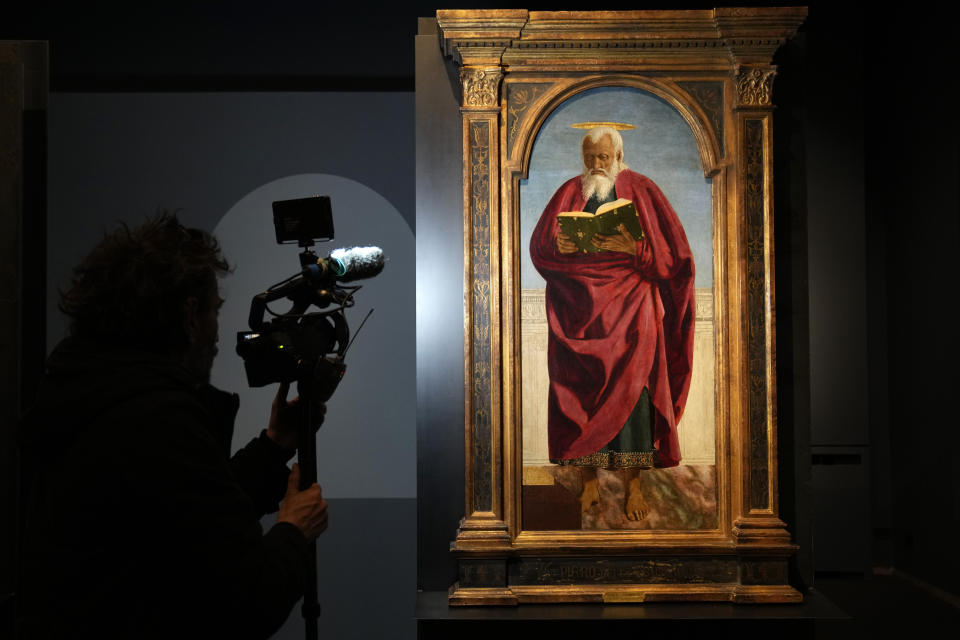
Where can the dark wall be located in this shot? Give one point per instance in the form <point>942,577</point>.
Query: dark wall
<point>219,45</point>
<point>882,225</point>
<point>840,438</point>
<point>913,200</point>
<point>23,108</point>
<point>440,375</point>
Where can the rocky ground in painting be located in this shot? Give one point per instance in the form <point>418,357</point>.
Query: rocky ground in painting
<point>679,498</point>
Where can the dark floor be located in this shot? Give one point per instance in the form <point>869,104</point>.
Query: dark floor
<point>881,605</point>
<point>877,607</point>
<point>847,606</point>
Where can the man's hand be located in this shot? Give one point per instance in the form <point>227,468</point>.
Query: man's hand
<point>565,244</point>
<point>306,510</point>
<point>622,242</point>
<point>284,427</point>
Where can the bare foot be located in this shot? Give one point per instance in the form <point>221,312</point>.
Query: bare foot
<point>590,495</point>
<point>637,508</point>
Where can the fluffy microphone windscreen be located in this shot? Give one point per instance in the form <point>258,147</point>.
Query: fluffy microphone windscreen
<point>358,262</point>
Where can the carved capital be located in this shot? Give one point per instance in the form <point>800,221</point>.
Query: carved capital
<point>481,86</point>
<point>755,86</point>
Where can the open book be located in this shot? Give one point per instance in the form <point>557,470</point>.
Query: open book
<point>581,226</point>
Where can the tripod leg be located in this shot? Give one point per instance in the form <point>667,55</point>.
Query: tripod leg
<point>307,457</point>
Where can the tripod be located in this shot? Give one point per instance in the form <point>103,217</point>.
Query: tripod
<point>307,457</point>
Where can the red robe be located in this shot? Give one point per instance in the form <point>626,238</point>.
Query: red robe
<point>618,323</point>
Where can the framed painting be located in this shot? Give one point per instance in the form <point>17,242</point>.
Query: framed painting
<point>619,359</point>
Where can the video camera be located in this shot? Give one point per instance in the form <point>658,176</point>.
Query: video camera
<point>308,348</point>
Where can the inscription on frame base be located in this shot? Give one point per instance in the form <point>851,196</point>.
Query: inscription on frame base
<point>501,581</point>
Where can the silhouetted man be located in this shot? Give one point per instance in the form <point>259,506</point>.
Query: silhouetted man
<point>138,523</point>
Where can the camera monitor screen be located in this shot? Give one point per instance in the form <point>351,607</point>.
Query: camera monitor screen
<point>303,220</point>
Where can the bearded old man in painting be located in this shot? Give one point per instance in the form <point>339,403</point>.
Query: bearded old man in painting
<point>621,320</point>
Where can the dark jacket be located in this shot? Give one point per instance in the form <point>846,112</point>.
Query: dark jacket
<point>137,523</point>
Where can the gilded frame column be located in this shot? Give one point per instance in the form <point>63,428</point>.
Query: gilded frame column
<point>756,517</point>
<point>483,526</point>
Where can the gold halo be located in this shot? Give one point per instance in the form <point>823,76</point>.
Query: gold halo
<point>619,126</point>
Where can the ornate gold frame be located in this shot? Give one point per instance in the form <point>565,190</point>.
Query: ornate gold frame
<point>714,67</point>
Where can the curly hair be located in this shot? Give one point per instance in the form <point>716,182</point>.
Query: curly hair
<point>131,288</point>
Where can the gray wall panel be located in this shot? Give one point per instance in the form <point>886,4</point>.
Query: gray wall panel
<point>440,377</point>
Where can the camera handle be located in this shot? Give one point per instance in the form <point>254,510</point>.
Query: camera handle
<point>307,457</point>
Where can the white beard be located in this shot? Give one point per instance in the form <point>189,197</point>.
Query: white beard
<point>599,184</point>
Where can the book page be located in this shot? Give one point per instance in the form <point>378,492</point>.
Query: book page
<point>613,205</point>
